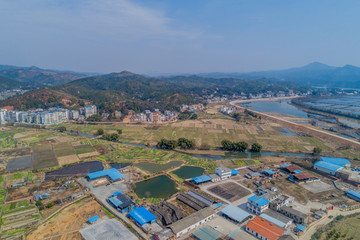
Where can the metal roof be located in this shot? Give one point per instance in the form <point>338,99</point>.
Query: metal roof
<point>353,194</point>
<point>207,233</point>
<point>191,219</point>
<point>234,172</point>
<point>112,173</point>
<point>201,179</point>
<point>93,219</point>
<point>240,234</point>
<point>235,213</point>
<point>259,200</point>
<point>268,171</point>
<point>121,200</point>
<point>141,215</point>
<point>327,165</point>
<point>284,165</point>
<point>336,161</point>
<point>273,220</point>
<point>301,227</point>
<point>297,171</point>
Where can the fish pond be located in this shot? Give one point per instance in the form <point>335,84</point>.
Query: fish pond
<point>157,187</point>
<point>186,172</point>
<point>153,167</point>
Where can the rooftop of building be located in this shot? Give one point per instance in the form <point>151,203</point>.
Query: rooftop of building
<point>327,165</point>
<point>303,175</point>
<point>292,168</point>
<point>141,215</point>
<point>353,194</point>
<point>265,228</point>
<point>191,219</point>
<point>112,173</point>
<point>207,233</point>
<point>235,213</point>
<point>336,161</point>
<point>259,200</point>
<point>293,211</point>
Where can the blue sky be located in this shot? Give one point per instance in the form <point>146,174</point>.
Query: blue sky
<point>178,36</point>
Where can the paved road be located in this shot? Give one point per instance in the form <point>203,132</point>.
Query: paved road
<point>322,222</point>
<point>295,124</point>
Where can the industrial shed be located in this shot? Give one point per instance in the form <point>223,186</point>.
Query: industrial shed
<point>121,202</point>
<point>207,233</point>
<point>112,174</point>
<point>342,162</point>
<point>192,221</point>
<point>201,179</point>
<point>354,195</point>
<point>235,214</point>
<point>142,216</point>
<point>327,167</point>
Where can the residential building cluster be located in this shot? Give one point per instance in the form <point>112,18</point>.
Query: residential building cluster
<point>231,109</point>
<point>149,116</point>
<point>11,93</point>
<point>192,108</point>
<point>45,117</point>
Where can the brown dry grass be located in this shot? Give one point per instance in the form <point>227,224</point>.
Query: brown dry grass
<point>68,222</point>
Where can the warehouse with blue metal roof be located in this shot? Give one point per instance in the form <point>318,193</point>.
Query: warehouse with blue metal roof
<point>327,167</point>
<point>142,216</point>
<point>122,202</point>
<point>342,162</point>
<point>354,195</point>
<point>112,174</point>
<point>202,179</point>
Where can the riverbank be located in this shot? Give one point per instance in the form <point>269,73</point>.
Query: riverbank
<point>262,100</point>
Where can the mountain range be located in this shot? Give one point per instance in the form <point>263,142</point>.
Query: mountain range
<point>126,90</point>
<point>314,74</point>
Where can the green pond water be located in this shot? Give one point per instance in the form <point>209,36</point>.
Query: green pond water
<point>157,187</point>
<point>186,172</point>
<point>153,167</point>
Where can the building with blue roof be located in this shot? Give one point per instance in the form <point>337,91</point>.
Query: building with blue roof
<point>234,214</point>
<point>327,167</point>
<point>112,174</point>
<point>121,202</point>
<point>354,195</point>
<point>297,171</point>
<point>142,216</point>
<point>342,162</point>
<point>93,219</point>
<point>300,228</point>
<point>257,204</point>
<point>268,172</point>
<point>234,172</point>
<point>202,179</point>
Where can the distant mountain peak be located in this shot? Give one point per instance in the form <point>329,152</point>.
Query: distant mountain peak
<point>123,74</point>
<point>317,65</point>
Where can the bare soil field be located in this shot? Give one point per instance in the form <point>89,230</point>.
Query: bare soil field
<point>229,191</point>
<point>63,226</point>
<point>44,156</point>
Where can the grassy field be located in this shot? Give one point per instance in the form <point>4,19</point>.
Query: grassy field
<point>211,131</point>
<point>345,228</point>
<point>7,138</point>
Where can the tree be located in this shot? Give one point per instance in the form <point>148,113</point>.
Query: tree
<point>100,131</point>
<point>112,137</point>
<point>167,144</point>
<point>119,131</point>
<point>256,147</point>
<point>317,151</point>
<point>62,128</point>
<point>193,117</point>
<point>184,143</point>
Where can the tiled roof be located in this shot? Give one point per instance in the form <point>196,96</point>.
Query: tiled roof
<point>265,228</point>
<point>292,168</point>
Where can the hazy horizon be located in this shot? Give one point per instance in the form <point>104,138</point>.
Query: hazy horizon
<point>160,37</point>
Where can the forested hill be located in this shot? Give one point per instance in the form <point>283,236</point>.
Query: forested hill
<point>126,90</point>
<point>33,77</point>
<point>7,83</point>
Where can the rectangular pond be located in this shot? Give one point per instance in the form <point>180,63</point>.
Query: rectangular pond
<point>186,172</point>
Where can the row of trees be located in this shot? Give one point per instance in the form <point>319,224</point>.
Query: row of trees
<point>240,146</point>
<point>182,143</point>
